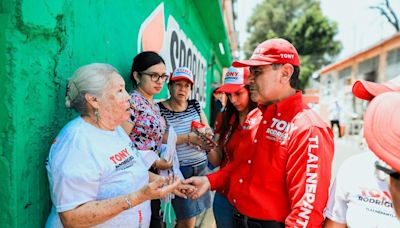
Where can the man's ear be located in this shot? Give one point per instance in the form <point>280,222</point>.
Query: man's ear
<point>286,73</point>
<point>92,100</point>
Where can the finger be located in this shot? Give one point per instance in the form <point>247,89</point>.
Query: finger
<point>190,180</point>
<point>158,182</point>
<point>180,194</point>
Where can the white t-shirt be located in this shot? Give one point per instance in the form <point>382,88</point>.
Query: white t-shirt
<point>86,163</point>
<point>358,198</point>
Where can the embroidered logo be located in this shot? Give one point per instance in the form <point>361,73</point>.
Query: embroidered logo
<point>279,130</point>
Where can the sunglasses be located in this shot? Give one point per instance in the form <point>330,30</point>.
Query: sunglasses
<point>380,166</point>
<point>155,77</point>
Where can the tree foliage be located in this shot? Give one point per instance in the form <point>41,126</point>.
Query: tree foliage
<point>386,9</point>
<point>303,24</point>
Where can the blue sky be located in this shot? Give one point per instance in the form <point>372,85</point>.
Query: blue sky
<point>359,27</point>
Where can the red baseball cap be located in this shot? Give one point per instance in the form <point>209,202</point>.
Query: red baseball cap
<point>382,128</point>
<point>272,51</point>
<point>234,79</point>
<point>182,73</point>
<point>367,90</point>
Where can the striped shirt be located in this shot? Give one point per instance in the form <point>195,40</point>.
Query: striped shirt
<point>181,122</point>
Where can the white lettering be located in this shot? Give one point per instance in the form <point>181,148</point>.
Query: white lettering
<point>311,182</point>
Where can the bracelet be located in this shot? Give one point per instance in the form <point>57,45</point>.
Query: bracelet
<point>188,139</point>
<point>128,202</point>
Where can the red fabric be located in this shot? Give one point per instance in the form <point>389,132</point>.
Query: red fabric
<point>245,132</point>
<point>284,175</point>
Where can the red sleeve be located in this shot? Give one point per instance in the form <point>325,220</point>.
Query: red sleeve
<point>308,176</point>
<point>220,179</point>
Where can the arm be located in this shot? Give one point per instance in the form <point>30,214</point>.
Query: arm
<point>97,212</point>
<point>308,173</point>
<point>215,155</point>
<point>332,224</point>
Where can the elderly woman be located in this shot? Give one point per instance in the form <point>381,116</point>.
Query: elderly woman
<point>96,178</point>
<point>179,112</point>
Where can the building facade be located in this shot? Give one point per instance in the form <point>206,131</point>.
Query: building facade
<point>379,63</point>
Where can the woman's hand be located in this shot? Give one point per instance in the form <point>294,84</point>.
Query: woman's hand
<point>184,190</point>
<point>162,164</point>
<point>159,187</point>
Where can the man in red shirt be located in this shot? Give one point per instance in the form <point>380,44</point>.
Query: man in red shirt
<point>285,180</point>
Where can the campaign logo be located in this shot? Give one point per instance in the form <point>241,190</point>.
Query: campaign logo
<point>234,76</point>
<point>279,130</point>
<point>122,160</point>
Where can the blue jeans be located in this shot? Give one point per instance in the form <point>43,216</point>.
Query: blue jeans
<point>188,208</point>
<point>223,211</point>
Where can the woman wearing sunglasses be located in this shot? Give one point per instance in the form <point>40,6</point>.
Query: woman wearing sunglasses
<point>237,123</point>
<point>361,195</point>
<point>146,126</point>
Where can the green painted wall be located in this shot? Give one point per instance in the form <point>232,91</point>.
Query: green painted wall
<point>41,44</point>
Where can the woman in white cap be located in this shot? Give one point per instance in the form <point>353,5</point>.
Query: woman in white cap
<point>238,122</point>
<point>179,112</point>
<point>360,194</point>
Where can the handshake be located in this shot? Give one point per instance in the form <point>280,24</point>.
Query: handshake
<point>160,187</point>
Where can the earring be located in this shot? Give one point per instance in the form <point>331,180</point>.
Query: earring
<point>96,116</point>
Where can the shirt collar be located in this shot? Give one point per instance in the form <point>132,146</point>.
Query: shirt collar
<point>284,105</point>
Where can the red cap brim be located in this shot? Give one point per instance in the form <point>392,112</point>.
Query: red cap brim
<point>246,63</point>
<point>229,88</point>
<point>180,78</point>
<point>367,90</point>
<point>382,128</point>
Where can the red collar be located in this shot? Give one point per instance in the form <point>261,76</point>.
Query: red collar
<point>284,105</point>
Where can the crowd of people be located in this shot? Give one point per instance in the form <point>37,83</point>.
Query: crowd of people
<point>273,152</point>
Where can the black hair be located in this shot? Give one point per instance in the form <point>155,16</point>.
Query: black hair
<point>142,62</point>
<point>226,127</point>
<point>294,80</point>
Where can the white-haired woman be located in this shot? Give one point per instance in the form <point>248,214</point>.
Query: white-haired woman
<point>96,178</point>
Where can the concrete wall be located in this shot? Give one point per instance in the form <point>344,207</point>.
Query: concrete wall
<point>41,44</point>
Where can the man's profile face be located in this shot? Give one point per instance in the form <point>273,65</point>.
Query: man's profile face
<point>264,84</point>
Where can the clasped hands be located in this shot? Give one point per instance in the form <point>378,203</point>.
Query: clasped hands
<point>160,187</point>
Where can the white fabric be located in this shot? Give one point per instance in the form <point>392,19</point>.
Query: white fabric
<point>334,111</point>
<point>358,198</point>
<point>86,164</point>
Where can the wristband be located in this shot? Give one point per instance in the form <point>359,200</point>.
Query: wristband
<point>126,199</point>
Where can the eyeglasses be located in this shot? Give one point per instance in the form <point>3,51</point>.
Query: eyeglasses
<point>155,77</point>
<point>381,166</point>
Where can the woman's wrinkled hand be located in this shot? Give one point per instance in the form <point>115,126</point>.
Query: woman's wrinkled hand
<point>160,187</point>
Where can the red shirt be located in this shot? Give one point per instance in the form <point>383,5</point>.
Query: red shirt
<point>243,132</point>
<point>287,174</point>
